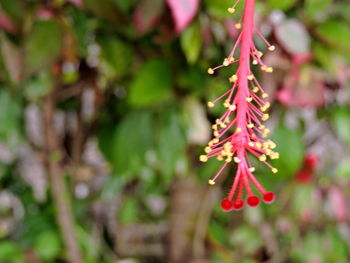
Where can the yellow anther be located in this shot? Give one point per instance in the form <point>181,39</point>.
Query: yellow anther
<point>210,104</point>
<point>269,69</point>
<point>220,158</point>
<point>261,127</point>
<point>231,10</point>
<point>233,78</point>
<point>250,77</point>
<point>216,140</point>
<point>259,54</point>
<point>238,25</point>
<point>216,133</point>
<point>258,145</point>
<point>238,130</point>
<point>251,144</point>
<point>207,149</point>
<point>223,125</point>
<point>267,131</point>
<point>251,169</point>
<point>272,48</point>
<point>203,158</point>
<point>249,99</point>
<point>227,120</point>
<point>236,159</point>
<point>255,89</point>
<point>210,71</point>
<point>211,182</point>
<point>263,108</point>
<point>228,160</point>
<point>210,143</point>
<point>214,127</point>
<point>232,59</point>
<point>267,105</point>
<point>264,95</point>
<point>274,170</point>
<point>226,104</point>
<point>263,68</point>
<point>232,107</point>
<point>226,62</point>
<point>262,158</point>
<point>272,144</point>
<point>250,125</point>
<point>255,62</point>
<point>265,117</point>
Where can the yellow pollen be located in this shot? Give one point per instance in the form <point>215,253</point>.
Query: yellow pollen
<point>228,160</point>
<point>216,140</point>
<point>261,127</point>
<point>263,68</point>
<point>211,182</point>
<point>207,149</point>
<point>262,158</point>
<point>264,95</point>
<point>267,131</point>
<point>226,104</point>
<point>232,59</point>
<point>238,130</point>
<point>259,54</point>
<point>232,107</point>
<point>236,159</point>
<point>255,62</point>
<point>214,127</point>
<point>250,77</point>
<point>220,158</point>
<point>203,158</point>
<point>238,25</point>
<point>231,10</point>
<point>258,145</point>
<point>274,170</point>
<point>272,48</point>
<point>216,133</point>
<point>255,89</point>
<point>250,125</point>
<point>210,104</point>
<point>251,144</point>
<point>251,169</point>
<point>265,117</point>
<point>269,69</point>
<point>226,62</point>
<point>233,78</point>
<point>249,99</point>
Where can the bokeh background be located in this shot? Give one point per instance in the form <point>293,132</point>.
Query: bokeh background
<point>103,116</point>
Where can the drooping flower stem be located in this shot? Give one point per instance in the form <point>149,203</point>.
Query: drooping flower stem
<point>240,131</point>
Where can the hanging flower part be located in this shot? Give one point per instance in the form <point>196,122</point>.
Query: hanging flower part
<point>240,130</point>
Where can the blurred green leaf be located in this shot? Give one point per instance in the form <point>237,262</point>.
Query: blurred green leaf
<point>341,123</point>
<point>48,245</point>
<point>39,86</point>
<point>283,5</point>
<point>171,141</point>
<point>191,42</point>
<point>10,252</point>
<point>291,148</point>
<point>117,56</point>
<point>314,8</point>
<point>128,213</point>
<point>10,114</point>
<point>247,239</point>
<point>43,45</point>
<point>133,137</point>
<point>152,84</point>
<point>336,33</point>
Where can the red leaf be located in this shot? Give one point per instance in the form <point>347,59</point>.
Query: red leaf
<point>183,12</point>
<point>147,15</point>
<point>6,23</point>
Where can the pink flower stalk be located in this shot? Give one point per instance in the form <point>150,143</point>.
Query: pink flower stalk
<point>240,131</point>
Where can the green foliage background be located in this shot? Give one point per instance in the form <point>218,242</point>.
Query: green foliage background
<point>131,121</point>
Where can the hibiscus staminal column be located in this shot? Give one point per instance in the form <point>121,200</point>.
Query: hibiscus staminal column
<point>240,131</point>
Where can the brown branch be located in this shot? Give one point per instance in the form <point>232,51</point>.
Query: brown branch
<point>58,187</point>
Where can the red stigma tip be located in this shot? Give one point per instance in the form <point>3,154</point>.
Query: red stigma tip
<point>269,197</point>
<point>253,200</point>
<point>226,205</point>
<point>238,204</point>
